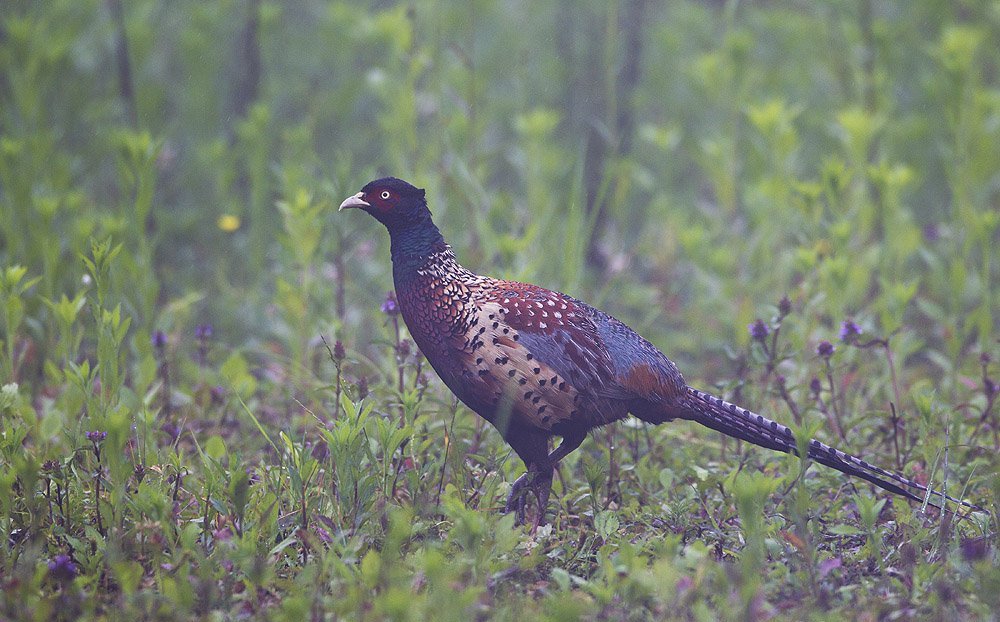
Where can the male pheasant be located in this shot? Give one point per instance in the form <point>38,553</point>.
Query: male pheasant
<point>537,364</point>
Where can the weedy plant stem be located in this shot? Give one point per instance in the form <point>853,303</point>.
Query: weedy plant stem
<point>614,476</point>
<point>97,489</point>
<point>896,425</point>
<point>448,434</point>
<point>786,396</point>
<point>991,390</point>
<point>898,422</point>
<point>337,355</point>
<point>126,90</point>
<point>835,420</point>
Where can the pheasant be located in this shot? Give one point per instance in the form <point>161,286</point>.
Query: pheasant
<point>538,364</point>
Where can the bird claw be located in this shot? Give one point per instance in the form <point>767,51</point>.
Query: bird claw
<point>517,500</point>
<point>531,482</point>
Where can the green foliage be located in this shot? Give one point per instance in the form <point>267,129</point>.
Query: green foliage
<point>202,407</point>
<point>13,287</point>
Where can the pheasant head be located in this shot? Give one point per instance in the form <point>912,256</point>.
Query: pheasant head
<point>402,208</point>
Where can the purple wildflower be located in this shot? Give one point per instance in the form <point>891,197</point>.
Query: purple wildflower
<point>390,306</point>
<point>363,389</point>
<point>172,430</point>
<point>159,339</point>
<point>932,232</point>
<point>849,331</point>
<point>815,386</point>
<point>784,306</point>
<point>974,549</point>
<point>203,332</point>
<point>404,348</point>
<point>758,330</point>
<point>62,569</point>
<point>825,349</point>
<point>96,437</point>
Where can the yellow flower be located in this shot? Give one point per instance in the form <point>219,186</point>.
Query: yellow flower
<point>228,222</point>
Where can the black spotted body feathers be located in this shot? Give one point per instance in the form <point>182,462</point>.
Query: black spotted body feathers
<point>507,349</point>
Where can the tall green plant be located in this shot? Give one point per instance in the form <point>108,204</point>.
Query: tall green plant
<point>302,216</point>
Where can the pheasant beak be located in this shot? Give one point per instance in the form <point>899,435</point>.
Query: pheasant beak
<point>356,200</point>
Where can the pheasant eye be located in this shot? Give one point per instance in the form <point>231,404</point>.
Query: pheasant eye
<point>385,195</point>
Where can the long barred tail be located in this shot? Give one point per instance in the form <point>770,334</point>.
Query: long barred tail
<point>737,422</point>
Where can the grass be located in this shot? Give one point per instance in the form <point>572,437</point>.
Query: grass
<point>210,409</point>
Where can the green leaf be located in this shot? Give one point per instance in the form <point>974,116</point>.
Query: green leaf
<point>215,447</point>
<point>129,574</point>
<point>667,478</point>
<point>236,371</point>
<point>606,523</point>
<point>239,489</point>
<point>50,425</point>
<point>844,530</point>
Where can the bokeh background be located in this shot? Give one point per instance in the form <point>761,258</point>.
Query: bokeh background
<point>652,157</point>
<point>172,262</point>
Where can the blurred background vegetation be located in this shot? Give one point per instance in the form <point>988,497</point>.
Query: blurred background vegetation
<point>657,158</point>
<point>169,173</point>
